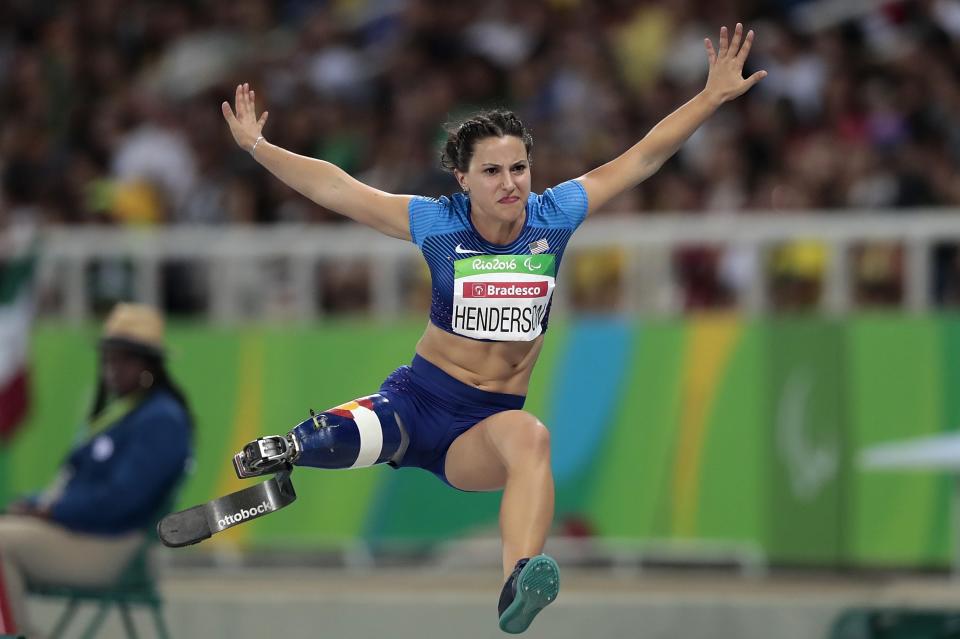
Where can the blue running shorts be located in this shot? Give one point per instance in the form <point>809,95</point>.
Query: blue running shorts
<point>436,408</point>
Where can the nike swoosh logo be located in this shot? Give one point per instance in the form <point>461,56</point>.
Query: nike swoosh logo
<point>460,249</point>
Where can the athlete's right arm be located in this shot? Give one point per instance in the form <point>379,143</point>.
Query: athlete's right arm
<point>326,184</point>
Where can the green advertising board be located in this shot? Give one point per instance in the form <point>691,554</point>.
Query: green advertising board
<point>706,429</point>
<point>807,460</point>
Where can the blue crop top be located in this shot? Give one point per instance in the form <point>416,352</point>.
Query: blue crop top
<point>490,291</point>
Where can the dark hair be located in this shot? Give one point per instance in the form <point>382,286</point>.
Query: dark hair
<point>161,381</point>
<point>463,137</point>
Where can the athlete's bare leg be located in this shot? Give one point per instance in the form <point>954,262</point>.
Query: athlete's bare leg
<point>509,450</point>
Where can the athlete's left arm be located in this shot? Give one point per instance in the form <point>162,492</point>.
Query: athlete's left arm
<point>725,82</point>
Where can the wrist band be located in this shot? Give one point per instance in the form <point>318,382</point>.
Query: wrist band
<point>253,148</point>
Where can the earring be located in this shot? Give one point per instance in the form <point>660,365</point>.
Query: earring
<point>146,379</point>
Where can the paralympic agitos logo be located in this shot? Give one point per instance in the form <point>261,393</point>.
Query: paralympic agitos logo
<point>245,513</point>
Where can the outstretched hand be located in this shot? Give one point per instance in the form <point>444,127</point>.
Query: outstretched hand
<point>725,79</point>
<point>244,125</point>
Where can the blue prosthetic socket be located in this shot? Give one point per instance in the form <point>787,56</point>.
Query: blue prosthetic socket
<point>360,433</point>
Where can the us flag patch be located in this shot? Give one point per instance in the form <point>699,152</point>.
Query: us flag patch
<point>540,246</point>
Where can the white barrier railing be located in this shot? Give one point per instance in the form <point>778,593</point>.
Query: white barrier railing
<point>251,263</point>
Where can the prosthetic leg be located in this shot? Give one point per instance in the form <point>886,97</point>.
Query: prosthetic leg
<point>360,433</point>
<point>193,525</point>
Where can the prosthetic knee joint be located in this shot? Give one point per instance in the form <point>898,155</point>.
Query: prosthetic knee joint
<point>266,455</point>
<point>360,433</point>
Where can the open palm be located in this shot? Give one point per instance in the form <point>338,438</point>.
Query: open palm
<point>725,78</point>
<point>245,126</point>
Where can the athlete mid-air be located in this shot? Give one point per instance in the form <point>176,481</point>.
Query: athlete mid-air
<point>494,251</point>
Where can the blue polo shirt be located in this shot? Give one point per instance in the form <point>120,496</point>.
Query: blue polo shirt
<point>118,479</point>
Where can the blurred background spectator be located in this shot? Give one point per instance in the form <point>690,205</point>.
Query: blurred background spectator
<point>110,112</point>
<point>117,481</point>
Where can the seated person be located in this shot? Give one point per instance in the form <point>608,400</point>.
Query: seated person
<point>86,526</point>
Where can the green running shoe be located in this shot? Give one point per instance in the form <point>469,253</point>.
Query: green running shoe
<point>533,585</point>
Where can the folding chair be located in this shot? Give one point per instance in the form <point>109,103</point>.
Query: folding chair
<point>136,585</point>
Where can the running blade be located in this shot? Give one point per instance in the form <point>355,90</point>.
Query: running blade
<point>193,525</point>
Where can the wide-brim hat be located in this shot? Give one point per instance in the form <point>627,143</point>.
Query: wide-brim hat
<point>138,328</point>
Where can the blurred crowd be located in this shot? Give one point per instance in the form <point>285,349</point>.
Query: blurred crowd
<point>110,108</point>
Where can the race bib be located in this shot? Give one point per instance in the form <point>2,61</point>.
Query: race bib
<point>502,297</point>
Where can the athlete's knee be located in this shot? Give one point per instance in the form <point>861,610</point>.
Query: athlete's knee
<point>529,436</point>
<point>360,433</point>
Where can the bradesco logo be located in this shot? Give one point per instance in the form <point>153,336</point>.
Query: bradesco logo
<point>505,289</point>
<point>244,514</point>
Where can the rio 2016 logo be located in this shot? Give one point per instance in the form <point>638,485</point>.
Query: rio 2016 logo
<point>496,264</point>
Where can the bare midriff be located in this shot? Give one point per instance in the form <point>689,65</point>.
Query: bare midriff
<point>498,367</point>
